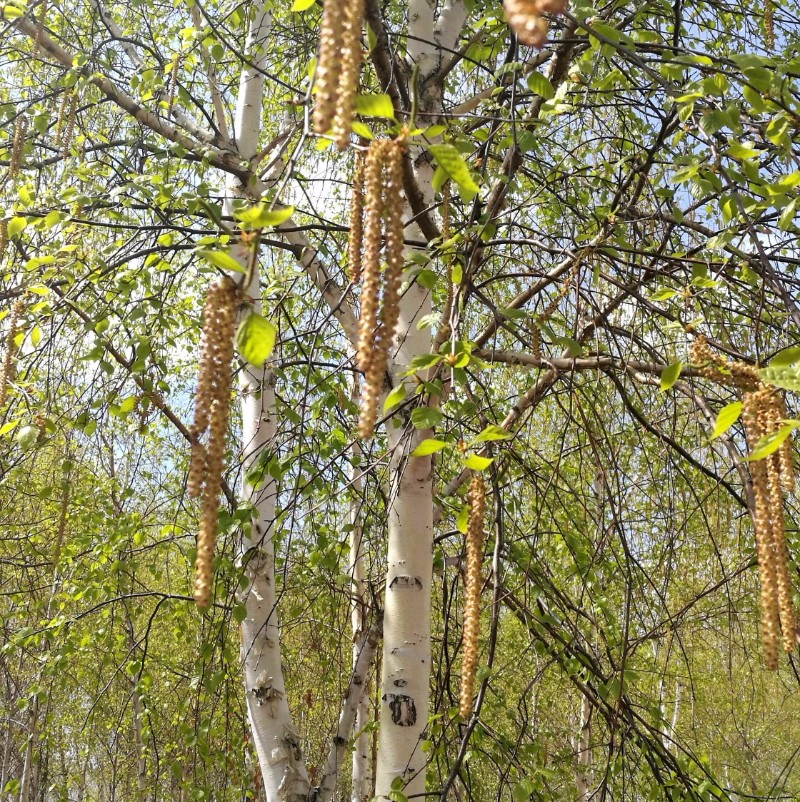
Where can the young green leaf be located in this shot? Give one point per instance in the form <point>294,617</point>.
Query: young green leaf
<point>477,463</point>
<point>450,161</point>
<point>727,416</point>
<point>260,216</point>
<point>785,376</point>
<point>670,375</point>
<point>394,398</point>
<point>427,447</point>
<point>786,357</point>
<point>770,443</point>
<point>255,339</point>
<point>492,432</point>
<point>379,105</point>
<point>221,259</point>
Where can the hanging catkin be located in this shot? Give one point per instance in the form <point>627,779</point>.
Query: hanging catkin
<point>384,207</point>
<point>355,240</point>
<point>3,237</point>
<point>525,18</point>
<point>349,71</point>
<point>472,592</point>
<point>11,348</point>
<point>769,24</point>
<point>18,146</point>
<point>371,259</point>
<point>327,73</point>
<point>212,404</point>
<point>763,411</point>
<point>69,128</point>
<point>173,82</point>
<point>61,120</point>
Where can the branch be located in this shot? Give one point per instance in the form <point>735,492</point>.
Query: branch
<point>355,690</point>
<point>218,158</point>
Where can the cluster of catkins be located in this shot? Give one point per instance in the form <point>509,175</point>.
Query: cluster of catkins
<point>526,18</point>
<point>547,312</point>
<point>476,498</point>
<point>212,402</point>
<point>377,218</point>
<point>338,68</point>
<point>7,370</point>
<point>763,410</point>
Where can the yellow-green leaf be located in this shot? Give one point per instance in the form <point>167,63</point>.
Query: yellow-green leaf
<point>428,446</point>
<point>7,427</point>
<point>301,5</point>
<point>770,443</point>
<point>260,216</point>
<point>476,463</point>
<point>222,260</point>
<point>727,416</point>
<point>492,432</point>
<point>378,105</point>
<point>255,339</point>
<point>540,85</point>
<point>16,225</point>
<point>450,161</point>
<point>394,398</point>
<point>785,376</point>
<point>670,375</point>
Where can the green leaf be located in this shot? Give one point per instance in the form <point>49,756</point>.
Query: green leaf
<point>394,398</point>
<point>787,377</point>
<point>260,216</point>
<point>540,85</point>
<point>27,437</point>
<point>476,463</point>
<point>7,427</point>
<point>741,152</point>
<point>450,161</point>
<point>428,446</point>
<point>379,105</point>
<point>670,375</point>
<point>221,259</point>
<point>301,5</point>
<point>16,225</point>
<point>462,519</point>
<point>359,129</point>
<point>727,416</point>
<point>770,443</point>
<point>523,790</point>
<point>255,339</point>
<point>426,418</point>
<point>492,432</point>
<point>786,357</point>
<point>662,295</point>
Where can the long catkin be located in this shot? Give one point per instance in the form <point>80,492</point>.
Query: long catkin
<point>472,592</point>
<point>384,208</point>
<point>217,356</point>
<point>763,411</point>
<point>356,239</point>
<point>11,348</point>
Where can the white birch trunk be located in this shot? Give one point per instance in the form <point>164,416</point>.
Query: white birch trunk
<point>583,750</point>
<point>361,788</point>
<point>276,742</point>
<point>406,628</point>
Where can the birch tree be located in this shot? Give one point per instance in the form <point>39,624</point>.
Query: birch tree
<point>599,240</point>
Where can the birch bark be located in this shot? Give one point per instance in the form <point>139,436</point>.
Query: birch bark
<point>406,628</point>
<point>276,741</point>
